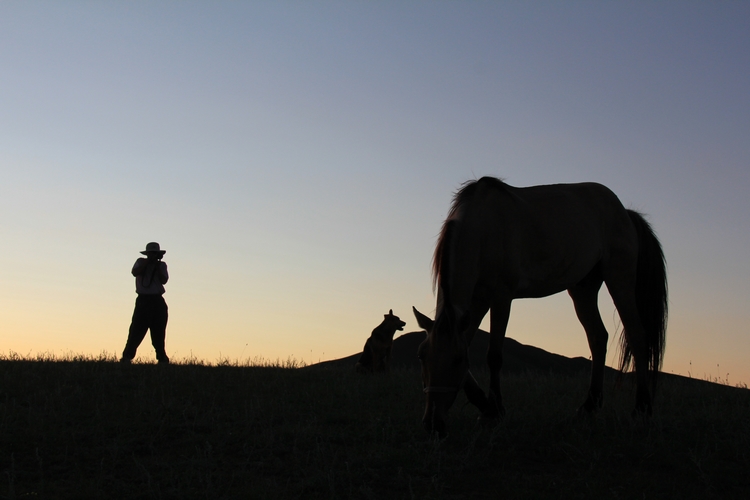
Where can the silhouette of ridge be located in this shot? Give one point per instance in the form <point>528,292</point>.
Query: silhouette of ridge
<point>517,357</point>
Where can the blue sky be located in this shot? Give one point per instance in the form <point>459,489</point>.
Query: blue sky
<point>296,160</point>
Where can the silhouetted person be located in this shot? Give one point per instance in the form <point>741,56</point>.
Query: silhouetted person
<point>150,308</point>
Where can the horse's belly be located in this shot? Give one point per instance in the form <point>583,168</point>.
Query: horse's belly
<point>538,290</point>
<point>545,280</point>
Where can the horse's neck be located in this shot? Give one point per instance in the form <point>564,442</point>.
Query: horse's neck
<point>462,274</point>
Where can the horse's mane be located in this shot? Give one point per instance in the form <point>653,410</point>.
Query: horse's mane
<point>464,194</point>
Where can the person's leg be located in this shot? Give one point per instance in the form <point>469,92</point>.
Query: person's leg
<point>137,332</point>
<point>160,315</point>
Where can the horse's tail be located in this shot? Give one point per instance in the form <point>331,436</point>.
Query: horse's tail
<point>651,297</point>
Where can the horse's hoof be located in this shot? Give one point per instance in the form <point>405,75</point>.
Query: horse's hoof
<point>486,421</point>
<point>591,405</point>
<point>494,410</point>
<point>490,419</point>
<point>587,410</point>
<point>641,415</point>
<point>440,434</point>
<point>585,414</point>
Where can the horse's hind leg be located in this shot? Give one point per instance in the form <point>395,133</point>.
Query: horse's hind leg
<point>585,299</point>
<point>635,336</point>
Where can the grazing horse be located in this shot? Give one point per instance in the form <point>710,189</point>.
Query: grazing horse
<point>376,355</point>
<point>501,243</point>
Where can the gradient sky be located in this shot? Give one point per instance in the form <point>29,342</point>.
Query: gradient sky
<point>296,161</point>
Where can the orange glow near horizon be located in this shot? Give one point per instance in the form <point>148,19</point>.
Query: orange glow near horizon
<point>296,161</point>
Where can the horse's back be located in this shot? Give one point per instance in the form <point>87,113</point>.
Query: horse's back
<point>546,238</point>
<point>565,211</point>
<point>547,200</point>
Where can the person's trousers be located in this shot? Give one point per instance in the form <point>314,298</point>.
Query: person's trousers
<point>150,314</point>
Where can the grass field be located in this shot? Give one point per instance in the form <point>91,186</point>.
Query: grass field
<point>88,428</point>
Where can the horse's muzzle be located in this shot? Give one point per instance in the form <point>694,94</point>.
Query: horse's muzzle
<point>434,423</point>
<point>436,412</point>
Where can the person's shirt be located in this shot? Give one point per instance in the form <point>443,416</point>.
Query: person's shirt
<point>150,277</point>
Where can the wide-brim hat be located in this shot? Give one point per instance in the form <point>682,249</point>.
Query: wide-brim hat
<point>153,247</point>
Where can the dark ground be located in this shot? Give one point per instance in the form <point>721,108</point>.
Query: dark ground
<point>98,429</point>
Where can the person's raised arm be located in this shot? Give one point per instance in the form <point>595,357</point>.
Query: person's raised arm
<point>163,273</point>
<point>139,267</point>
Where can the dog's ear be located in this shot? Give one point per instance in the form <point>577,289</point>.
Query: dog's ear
<point>423,321</point>
<point>390,312</point>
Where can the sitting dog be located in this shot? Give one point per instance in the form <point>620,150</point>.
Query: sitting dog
<point>376,356</point>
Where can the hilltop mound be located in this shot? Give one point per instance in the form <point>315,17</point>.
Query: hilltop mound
<point>517,357</point>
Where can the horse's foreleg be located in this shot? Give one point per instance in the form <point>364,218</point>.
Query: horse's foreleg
<point>473,391</point>
<point>475,394</point>
<point>498,324</point>
<point>584,298</point>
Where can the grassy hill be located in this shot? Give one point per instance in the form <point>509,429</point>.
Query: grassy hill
<point>90,428</point>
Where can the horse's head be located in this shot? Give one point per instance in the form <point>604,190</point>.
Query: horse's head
<point>445,365</point>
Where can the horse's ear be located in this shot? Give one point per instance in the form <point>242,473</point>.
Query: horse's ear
<point>390,312</point>
<point>423,321</point>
